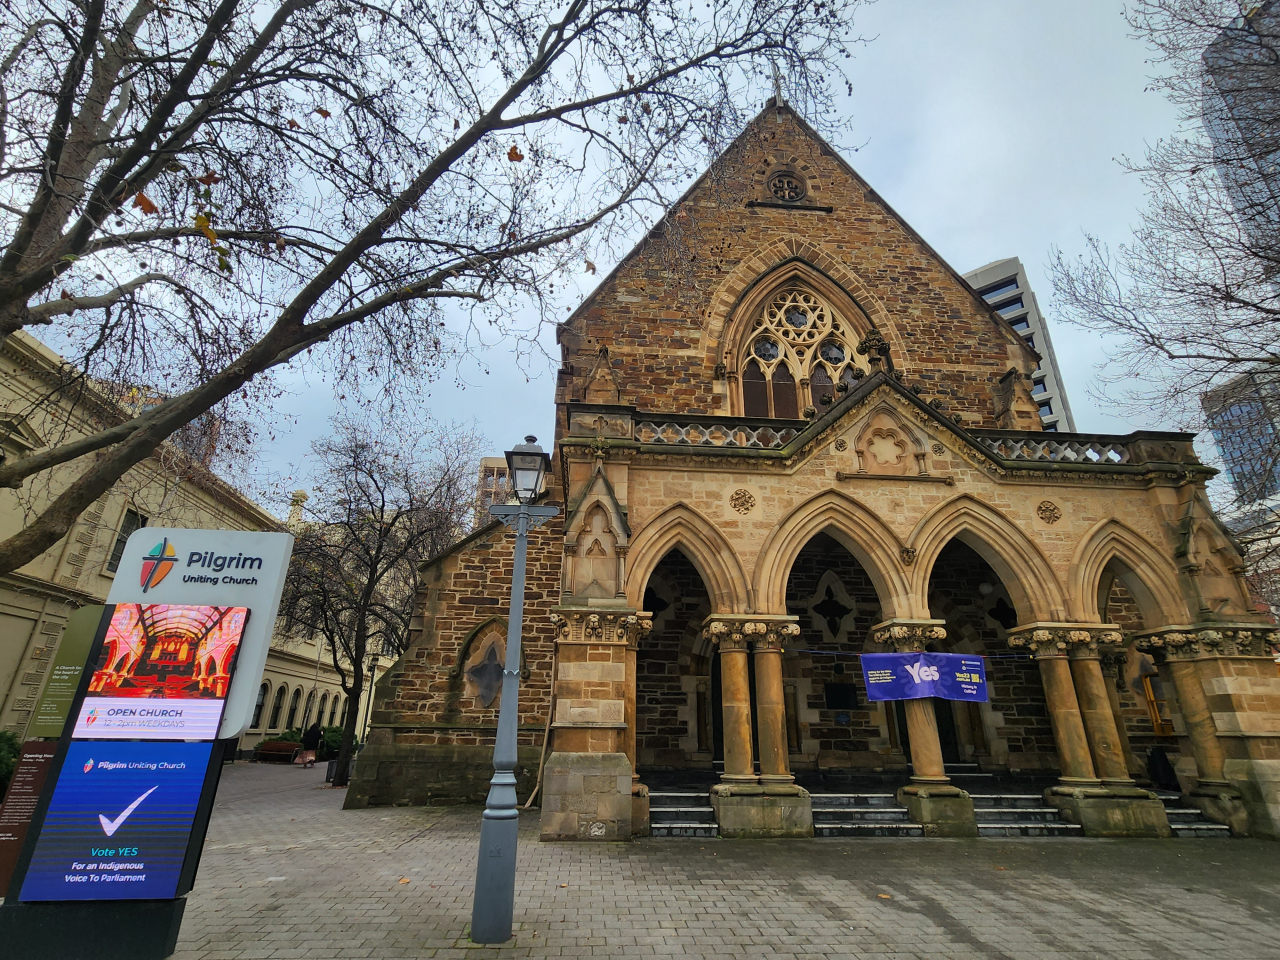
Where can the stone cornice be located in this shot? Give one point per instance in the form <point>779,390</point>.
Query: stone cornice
<point>1203,641</point>
<point>1077,640</point>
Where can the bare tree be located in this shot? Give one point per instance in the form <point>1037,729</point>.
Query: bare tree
<point>1194,298</point>
<point>384,502</point>
<point>196,192</point>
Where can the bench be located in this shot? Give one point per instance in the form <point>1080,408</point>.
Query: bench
<point>276,751</point>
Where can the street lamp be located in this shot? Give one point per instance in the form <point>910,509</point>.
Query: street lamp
<point>495,895</point>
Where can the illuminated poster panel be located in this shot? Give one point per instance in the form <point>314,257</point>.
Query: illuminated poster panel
<point>163,673</point>
<point>119,822</point>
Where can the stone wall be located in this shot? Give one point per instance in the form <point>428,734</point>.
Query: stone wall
<point>432,734</point>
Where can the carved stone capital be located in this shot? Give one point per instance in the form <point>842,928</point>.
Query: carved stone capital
<point>762,632</point>
<point>1080,641</point>
<point>908,636</point>
<point>631,628</point>
<point>1218,640</point>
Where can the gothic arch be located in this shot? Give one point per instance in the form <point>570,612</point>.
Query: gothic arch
<point>789,257</point>
<point>1022,568</point>
<point>698,538</point>
<point>851,524</point>
<point>1146,574</point>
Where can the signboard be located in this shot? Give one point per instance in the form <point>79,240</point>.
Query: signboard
<point>54,705</point>
<point>119,823</point>
<point>20,803</point>
<point>163,673</point>
<point>907,676</point>
<point>169,565</point>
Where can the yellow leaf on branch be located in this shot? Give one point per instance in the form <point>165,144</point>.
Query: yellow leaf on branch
<point>205,227</point>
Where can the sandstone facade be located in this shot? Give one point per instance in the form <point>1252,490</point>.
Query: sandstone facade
<point>788,433</point>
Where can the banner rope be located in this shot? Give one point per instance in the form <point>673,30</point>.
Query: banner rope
<point>842,653</point>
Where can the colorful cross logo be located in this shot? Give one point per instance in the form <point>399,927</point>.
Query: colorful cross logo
<point>157,564</point>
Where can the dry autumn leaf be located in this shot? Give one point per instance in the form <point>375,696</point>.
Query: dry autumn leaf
<point>209,179</point>
<point>143,203</point>
<point>514,154</point>
<point>323,112</point>
<point>591,267</point>
<point>884,896</point>
<point>203,225</point>
<point>293,124</point>
<point>404,879</point>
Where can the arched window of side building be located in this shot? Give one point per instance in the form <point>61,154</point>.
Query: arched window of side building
<point>324,702</point>
<point>293,708</point>
<point>311,705</point>
<point>277,705</point>
<point>260,705</point>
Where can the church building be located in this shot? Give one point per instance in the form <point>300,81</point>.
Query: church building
<point>788,434</point>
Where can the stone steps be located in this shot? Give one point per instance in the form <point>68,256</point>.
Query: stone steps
<point>861,815</point>
<point>682,813</point>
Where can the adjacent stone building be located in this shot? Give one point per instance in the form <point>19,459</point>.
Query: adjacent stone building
<point>789,433</point>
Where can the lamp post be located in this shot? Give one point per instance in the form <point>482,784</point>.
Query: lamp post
<point>494,902</point>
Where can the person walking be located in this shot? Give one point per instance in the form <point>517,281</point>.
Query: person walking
<point>310,744</point>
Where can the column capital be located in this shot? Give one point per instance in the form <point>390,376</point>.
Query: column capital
<point>774,635</point>
<point>908,636</point>
<point>601,625</point>
<point>1080,641</point>
<point>1199,641</point>
<point>731,631</point>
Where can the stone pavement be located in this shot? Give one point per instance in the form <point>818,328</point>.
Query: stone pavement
<point>288,873</point>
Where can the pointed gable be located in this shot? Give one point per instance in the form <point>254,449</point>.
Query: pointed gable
<point>696,319</point>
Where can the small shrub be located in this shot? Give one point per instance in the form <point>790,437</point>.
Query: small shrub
<point>9,750</point>
<point>289,736</point>
<point>331,743</point>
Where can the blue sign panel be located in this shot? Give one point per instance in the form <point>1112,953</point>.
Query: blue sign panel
<point>906,676</point>
<point>119,822</point>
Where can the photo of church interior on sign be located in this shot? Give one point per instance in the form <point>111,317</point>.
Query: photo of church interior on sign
<point>163,673</point>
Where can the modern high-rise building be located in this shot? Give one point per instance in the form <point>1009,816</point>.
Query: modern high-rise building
<point>1244,417</point>
<point>1241,113</point>
<point>1003,284</point>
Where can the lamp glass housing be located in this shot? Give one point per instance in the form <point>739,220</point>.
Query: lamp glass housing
<point>526,465</point>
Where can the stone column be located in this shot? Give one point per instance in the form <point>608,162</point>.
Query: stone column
<point>931,800</point>
<point>1180,649</point>
<point>735,699</point>
<point>1049,645</point>
<point>793,715</point>
<point>748,806</point>
<point>910,636</point>
<point>771,709</point>
<point>1080,712</point>
<point>1101,726</point>
<point>1113,667</point>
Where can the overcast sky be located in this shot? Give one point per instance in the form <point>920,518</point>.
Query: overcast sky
<point>992,126</point>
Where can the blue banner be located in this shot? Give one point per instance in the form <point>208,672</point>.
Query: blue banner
<point>119,822</point>
<point>907,676</point>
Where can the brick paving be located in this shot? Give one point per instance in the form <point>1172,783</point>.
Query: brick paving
<point>288,873</point>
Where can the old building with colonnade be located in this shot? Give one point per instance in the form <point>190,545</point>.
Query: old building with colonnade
<point>789,433</point>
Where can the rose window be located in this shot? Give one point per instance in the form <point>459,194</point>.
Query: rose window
<point>786,186</point>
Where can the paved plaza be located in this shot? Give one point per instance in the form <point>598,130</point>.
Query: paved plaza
<point>288,873</point>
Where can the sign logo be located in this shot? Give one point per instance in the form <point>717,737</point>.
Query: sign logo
<point>157,564</point>
<point>922,672</point>
<point>91,719</point>
<point>109,827</point>
<point>88,765</point>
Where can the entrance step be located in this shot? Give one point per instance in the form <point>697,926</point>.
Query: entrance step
<point>1019,815</point>
<point>681,813</point>
<point>1191,822</point>
<point>964,771</point>
<point>861,815</point>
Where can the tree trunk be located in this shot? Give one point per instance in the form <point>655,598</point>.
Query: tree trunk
<point>340,777</point>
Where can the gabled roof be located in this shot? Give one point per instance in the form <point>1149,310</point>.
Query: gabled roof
<point>772,108</point>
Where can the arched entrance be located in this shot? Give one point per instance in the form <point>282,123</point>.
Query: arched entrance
<point>1012,732</point>
<point>832,730</point>
<point>676,712</point>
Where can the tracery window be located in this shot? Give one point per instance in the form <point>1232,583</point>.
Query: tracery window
<point>799,337</point>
